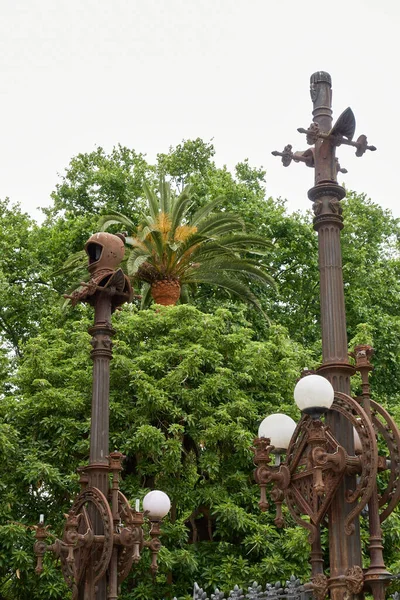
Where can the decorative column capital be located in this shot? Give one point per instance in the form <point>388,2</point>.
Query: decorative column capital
<point>326,197</point>
<point>362,355</point>
<point>101,341</point>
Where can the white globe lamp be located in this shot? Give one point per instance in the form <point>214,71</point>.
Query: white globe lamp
<point>357,442</point>
<point>157,504</point>
<point>314,395</point>
<point>279,429</point>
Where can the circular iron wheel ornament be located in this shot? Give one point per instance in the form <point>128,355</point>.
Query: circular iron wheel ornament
<point>385,426</point>
<point>93,506</point>
<point>352,410</point>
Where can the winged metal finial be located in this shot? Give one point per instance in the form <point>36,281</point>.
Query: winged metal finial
<point>345,125</point>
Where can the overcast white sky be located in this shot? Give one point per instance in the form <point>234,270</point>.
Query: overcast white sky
<point>149,73</point>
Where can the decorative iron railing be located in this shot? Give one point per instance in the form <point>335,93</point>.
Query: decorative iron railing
<point>292,590</point>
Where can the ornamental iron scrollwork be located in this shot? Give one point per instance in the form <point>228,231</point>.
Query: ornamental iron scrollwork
<point>368,460</point>
<point>315,466</point>
<point>92,505</point>
<point>385,425</point>
<point>130,529</point>
<point>319,586</point>
<point>117,526</point>
<point>354,580</point>
<point>313,480</point>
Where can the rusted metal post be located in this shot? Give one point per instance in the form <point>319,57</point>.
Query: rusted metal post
<point>376,576</point>
<point>98,468</point>
<point>316,559</point>
<point>346,577</point>
<point>344,551</point>
<point>101,355</point>
<point>103,536</point>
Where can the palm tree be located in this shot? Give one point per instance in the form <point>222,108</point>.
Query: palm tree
<point>170,251</point>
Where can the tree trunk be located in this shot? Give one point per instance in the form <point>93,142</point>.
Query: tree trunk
<point>166,292</point>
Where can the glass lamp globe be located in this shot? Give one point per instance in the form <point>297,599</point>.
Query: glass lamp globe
<point>357,442</point>
<point>314,395</point>
<point>279,429</point>
<point>157,504</point>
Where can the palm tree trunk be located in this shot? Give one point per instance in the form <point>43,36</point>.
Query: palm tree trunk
<point>166,292</point>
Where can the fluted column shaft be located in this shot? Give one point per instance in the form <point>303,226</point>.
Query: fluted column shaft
<point>344,551</point>
<point>101,355</point>
<point>98,468</point>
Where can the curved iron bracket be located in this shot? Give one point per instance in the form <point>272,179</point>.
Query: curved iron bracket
<point>354,413</point>
<point>385,425</point>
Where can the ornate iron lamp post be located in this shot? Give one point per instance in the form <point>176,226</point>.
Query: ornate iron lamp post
<point>323,477</point>
<point>103,536</point>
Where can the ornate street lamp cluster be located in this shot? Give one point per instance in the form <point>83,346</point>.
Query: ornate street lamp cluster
<point>103,536</point>
<point>316,463</point>
<point>329,474</point>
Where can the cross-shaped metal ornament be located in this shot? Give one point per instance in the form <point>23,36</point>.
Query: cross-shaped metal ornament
<point>323,136</point>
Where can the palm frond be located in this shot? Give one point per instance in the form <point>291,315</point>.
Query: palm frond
<point>179,207</point>
<point>135,260</point>
<point>152,200</point>
<point>137,243</point>
<point>145,292</point>
<point>115,218</point>
<point>231,244</point>
<point>157,238</point>
<point>245,241</point>
<point>75,262</point>
<point>165,196</point>
<point>145,230</point>
<point>219,223</point>
<point>199,255</point>
<point>185,251</point>
<point>238,265</point>
<point>235,286</point>
<point>205,210</point>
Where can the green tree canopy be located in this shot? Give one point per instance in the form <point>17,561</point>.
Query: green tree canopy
<point>189,384</point>
<point>188,390</point>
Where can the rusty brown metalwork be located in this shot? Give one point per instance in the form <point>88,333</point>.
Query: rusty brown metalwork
<point>103,536</point>
<point>315,465</point>
<point>377,576</point>
<point>105,252</point>
<point>318,477</point>
<point>319,585</point>
<point>312,472</point>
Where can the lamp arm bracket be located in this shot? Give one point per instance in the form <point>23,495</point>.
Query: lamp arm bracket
<point>353,465</point>
<point>335,461</point>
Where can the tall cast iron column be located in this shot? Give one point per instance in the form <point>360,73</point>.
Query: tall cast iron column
<point>104,293</point>
<point>103,536</point>
<point>344,550</point>
<point>98,467</point>
<point>344,545</point>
